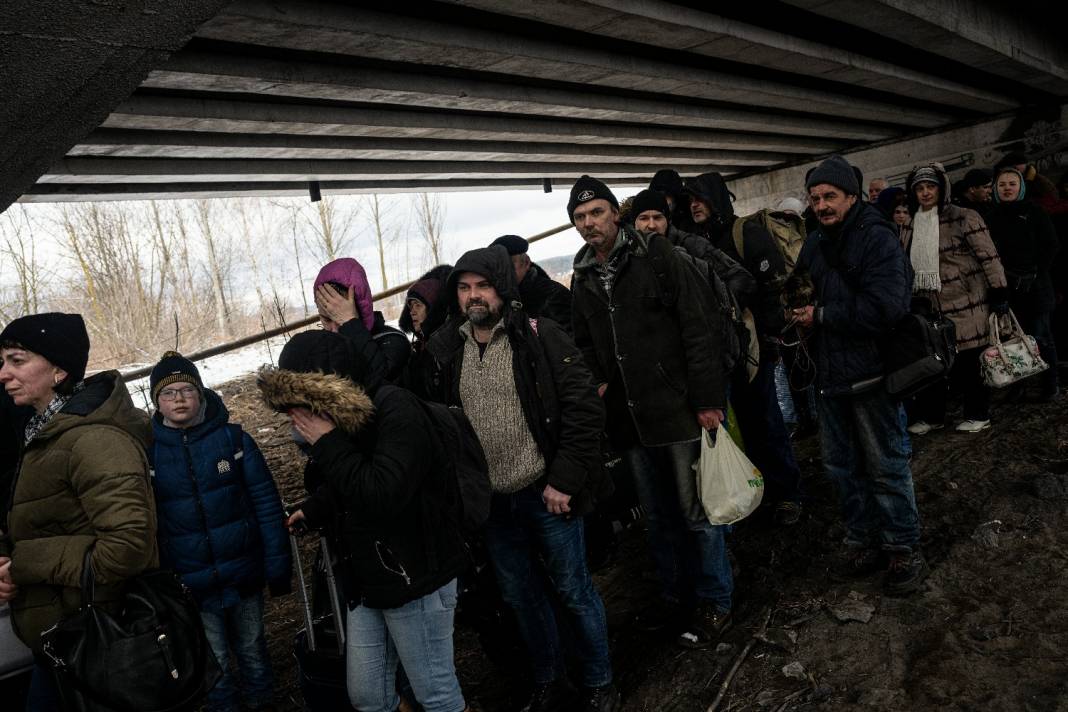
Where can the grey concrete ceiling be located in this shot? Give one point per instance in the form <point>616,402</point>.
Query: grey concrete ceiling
<point>461,94</point>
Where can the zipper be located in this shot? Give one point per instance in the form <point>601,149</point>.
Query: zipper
<point>382,551</point>
<point>165,647</point>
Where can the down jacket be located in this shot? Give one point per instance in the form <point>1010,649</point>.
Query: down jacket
<point>560,405</point>
<point>377,486</point>
<point>83,484</point>
<point>221,524</point>
<point>655,351</point>
<point>863,286</point>
<point>968,267</point>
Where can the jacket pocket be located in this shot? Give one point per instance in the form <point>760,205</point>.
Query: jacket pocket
<point>671,383</point>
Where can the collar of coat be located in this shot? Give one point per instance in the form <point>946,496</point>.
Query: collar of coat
<point>629,241</point>
<point>328,394</point>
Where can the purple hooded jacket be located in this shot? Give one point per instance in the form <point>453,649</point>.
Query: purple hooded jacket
<point>350,273</point>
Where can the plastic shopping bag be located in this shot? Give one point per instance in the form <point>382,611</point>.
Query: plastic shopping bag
<point>729,485</point>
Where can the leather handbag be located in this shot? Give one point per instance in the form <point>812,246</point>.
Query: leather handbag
<point>1007,361</point>
<point>146,652</point>
<point>918,352</point>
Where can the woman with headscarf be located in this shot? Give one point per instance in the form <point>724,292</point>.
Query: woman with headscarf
<point>893,203</point>
<point>957,273</point>
<point>343,297</point>
<point>1027,244</point>
<point>81,495</point>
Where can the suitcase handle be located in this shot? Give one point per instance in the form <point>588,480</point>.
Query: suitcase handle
<point>331,583</point>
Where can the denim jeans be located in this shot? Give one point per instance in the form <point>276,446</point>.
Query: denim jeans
<point>418,635</point>
<point>240,629</point>
<point>43,695</point>
<point>690,552</point>
<point>863,443</point>
<point>520,530</point>
<point>767,443</point>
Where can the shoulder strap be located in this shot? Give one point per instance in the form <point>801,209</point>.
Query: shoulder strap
<point>738,235</point>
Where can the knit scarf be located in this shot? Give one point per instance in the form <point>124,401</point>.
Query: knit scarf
<point>39,420</point>
<point>924,251</point>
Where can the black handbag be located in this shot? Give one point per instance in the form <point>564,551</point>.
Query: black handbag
<point>918,352</point>
<point>149,655</point>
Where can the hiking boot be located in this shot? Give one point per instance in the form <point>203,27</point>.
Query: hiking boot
<point>708,623</point>
<point>787,514</point>
<point>922,427</point>
<point>600,699</point>
<point>906,573</point>
<point>973,426</point>
<point>658,616</point>
<point>856,563</point>
<point>549,696</point>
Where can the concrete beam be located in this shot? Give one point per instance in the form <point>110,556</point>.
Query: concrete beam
<point>162,170</point>
<point>994,37</point>
<point>198,144</point>
<point>229,116</point>
<point>214,72</point>
<point>675,27</point>
<point>65,65</point>
<point>311,26</point>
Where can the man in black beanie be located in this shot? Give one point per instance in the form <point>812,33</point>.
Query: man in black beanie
<point>974,190</point>
<point>669,182</point>
<point>861,426</point>
<point>542,296</point>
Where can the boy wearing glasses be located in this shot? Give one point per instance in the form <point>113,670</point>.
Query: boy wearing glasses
<point>221,525</point>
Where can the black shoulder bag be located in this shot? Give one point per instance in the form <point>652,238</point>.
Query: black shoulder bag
<point>150,655</point>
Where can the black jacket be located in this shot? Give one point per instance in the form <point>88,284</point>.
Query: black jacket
<point>863,285</point>
<point>658,357</point>
<point>384,349</point>
<point>420,363</point>
<point>560,403</point>
<point>377,487</point>
<point>1027,244</point>
<point>542,296</point>
<point>737,278</point>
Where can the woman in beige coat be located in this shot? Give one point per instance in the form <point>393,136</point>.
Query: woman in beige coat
<point>958,273</point>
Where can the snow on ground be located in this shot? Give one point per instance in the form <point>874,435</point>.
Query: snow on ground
<point>216,369</point>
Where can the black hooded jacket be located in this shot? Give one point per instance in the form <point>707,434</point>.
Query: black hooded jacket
<point>763,259</point>
<point>420,362</point>
<point>542,296</point>
<point>560,403</point>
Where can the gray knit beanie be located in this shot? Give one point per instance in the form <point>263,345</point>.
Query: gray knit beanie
<point>837,172</point>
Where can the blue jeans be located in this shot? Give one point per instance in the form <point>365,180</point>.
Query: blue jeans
<point>690,552</point>
<point>863,443</point>
<point>418,635</point>
<point>43,695</point>
<point>240,629</point>
<point>767,443</point>
<point>519,531</point>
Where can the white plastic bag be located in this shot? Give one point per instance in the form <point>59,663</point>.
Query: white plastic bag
<point>729,485</point>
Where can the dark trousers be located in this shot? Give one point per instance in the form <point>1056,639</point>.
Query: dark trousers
<point>929,405</point>
<point>1039,325</point>
<point>767,442</point>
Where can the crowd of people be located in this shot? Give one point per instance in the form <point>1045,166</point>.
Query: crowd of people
<point>679,311</point>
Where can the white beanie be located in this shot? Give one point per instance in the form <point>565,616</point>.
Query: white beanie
<point>790,205</point>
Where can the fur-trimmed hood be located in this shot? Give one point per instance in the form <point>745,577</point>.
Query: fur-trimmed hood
<point>344,402</point>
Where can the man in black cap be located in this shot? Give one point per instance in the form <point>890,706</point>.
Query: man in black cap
<point>974,190</point>
<point>754,400</point>
<point>669,182</point>
<point>862,283</point>
<point>658,368</point>
<point>542,296</point>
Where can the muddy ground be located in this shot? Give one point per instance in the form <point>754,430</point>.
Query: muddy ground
<point>989,632</point>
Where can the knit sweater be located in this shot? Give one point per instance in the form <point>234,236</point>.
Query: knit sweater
<point>491,403</point>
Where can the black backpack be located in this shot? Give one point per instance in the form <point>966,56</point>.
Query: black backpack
<point>470,498</point>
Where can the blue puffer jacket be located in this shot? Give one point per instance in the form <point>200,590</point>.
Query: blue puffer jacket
<point>857,300</point>
<point>221,524</point>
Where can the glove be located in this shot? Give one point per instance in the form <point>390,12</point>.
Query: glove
<point>998,297</point>
<point>1001,308</point>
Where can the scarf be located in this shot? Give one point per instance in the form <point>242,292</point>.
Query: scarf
<point>924,251</point>
<point>39,420</point>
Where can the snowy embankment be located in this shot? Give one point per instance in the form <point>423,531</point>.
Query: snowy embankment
<point>216,369</point>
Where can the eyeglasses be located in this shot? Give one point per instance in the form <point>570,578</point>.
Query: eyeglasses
<point>169,394</point>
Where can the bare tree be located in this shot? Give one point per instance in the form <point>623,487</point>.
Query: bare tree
<point>333,224</point>
<point>20,251</point>
<point>430,216</point>
<point>216,267</point>
<point>379,210</point>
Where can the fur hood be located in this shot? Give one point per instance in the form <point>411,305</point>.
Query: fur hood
<point>344,402</point>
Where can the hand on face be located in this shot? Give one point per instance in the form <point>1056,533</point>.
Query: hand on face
<point>335,309</point>
<point>310,426</point>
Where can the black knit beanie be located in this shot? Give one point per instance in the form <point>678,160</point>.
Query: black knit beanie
<point>585,190</point>
<point>835,171</point>
<point>173,368</point>
<point>60,338</point>
<point>667,181</point>
<point>649,200</point>
<point>976,177</point>
<point>513,243</point>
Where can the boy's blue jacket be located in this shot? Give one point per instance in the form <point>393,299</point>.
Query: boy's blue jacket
<point>221,524</point>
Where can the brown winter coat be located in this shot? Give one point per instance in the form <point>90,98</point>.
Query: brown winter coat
<point>82,484</point>
<point>968,267</point>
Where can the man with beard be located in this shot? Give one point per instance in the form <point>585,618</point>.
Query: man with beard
<point>755,403</point>
<point>530,399</point>
<point>863,285</point>
<point>658,368</point>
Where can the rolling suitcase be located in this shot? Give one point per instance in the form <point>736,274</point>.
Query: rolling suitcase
<point>319,647</point>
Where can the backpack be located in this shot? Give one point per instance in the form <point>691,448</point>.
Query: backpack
<point>470,497</point>
<point>787,230</point>
<point>730,325</point>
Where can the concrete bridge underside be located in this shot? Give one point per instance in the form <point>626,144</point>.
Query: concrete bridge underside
<point>124,100</point>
